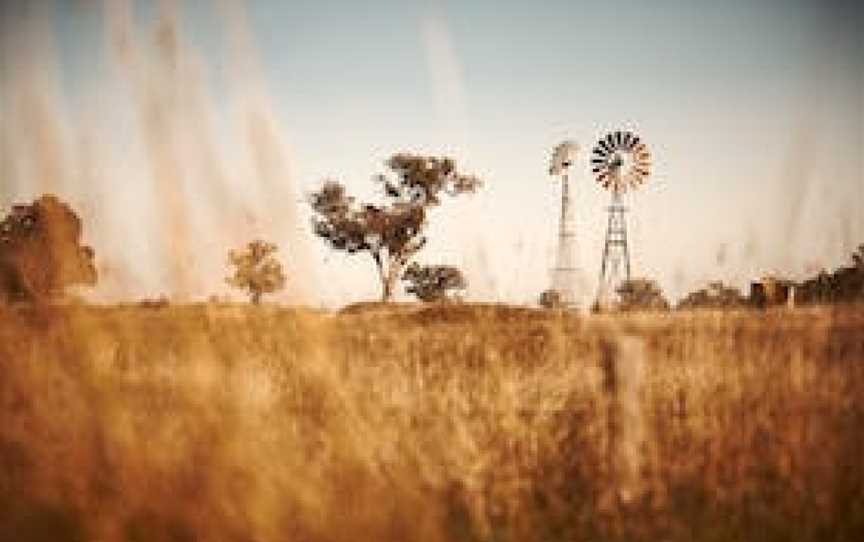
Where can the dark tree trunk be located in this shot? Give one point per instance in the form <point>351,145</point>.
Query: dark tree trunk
<point>389,283</point>
<point>388,275</point>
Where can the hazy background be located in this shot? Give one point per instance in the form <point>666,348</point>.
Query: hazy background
<point>181,129</point>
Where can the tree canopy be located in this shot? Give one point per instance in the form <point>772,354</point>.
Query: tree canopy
<point>256,269</point>
<point>550,299</point>
<point>716,295</point>
<point>844,284</point>
<point>41,254</point>
<point>641,294</point>
<point>431,283</point>
<point>391,231</point>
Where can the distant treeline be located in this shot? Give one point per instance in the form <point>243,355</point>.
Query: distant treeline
<point>42,254</point>
<point>842,285</point>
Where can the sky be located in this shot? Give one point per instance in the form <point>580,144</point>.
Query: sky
<point>182,129</point>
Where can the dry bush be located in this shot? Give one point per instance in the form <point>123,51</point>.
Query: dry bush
<point>41,254</point>
<point>447,423</point>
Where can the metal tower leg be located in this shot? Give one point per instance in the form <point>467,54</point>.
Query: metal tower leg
<point>615,266</point>
<point>565,280</point>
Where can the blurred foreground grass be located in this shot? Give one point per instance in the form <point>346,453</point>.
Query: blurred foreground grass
<point>451,423</point>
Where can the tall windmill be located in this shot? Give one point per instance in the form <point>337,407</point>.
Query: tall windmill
<point>620,162</point>
<point>566,274</point>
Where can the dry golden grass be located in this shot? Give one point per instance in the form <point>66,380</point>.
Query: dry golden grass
<point>453,423</point>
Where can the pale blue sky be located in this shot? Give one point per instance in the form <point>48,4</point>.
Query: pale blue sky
<point>754,112</point>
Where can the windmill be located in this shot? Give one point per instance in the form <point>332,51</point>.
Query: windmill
<point>620,162</point>
<point>565,275</point>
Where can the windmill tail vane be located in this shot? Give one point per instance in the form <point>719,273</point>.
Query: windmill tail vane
<point>563,156</point>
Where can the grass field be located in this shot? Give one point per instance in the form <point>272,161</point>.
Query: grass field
<point>234,423</point>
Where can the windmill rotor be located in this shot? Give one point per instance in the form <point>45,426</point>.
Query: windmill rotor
<point>620,161</point>
<point>563,156</point>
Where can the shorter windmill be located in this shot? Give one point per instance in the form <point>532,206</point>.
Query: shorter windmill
<point>620,161</point>
<point>566,274</point>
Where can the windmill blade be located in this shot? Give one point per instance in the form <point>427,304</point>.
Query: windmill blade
<point>601,148</point>
<point>600,151</point>
<point>625,143</point>
<point>605,146</point>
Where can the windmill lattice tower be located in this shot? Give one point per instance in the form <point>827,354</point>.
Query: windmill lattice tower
<point>620,162</point>
<point>566,274</point>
